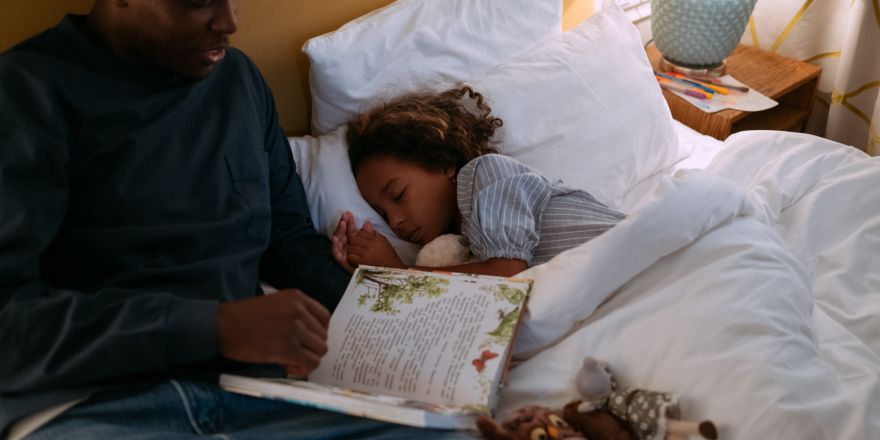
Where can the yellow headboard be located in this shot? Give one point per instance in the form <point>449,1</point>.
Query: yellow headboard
<point>270,31</point>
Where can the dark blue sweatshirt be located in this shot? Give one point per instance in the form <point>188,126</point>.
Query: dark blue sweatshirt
<point>131,204</point>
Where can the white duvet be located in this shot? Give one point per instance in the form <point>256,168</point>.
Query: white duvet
<point>751,289</point>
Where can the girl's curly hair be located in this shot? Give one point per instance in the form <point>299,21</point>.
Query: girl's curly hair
<point>433,130</point>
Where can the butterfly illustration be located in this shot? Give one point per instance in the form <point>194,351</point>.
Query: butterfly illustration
<point>480,362</point>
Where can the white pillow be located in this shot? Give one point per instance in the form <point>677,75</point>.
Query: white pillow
<point>322,164</point>
<point>585,107</point>
<point>413,43</point>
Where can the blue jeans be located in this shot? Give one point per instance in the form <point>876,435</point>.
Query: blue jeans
<point>181,409</point>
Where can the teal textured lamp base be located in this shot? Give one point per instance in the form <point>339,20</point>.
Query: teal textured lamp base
<point>708,71</point>
<point>696,36</point>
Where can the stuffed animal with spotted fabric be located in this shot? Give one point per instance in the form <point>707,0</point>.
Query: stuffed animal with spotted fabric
<point>653,415</point>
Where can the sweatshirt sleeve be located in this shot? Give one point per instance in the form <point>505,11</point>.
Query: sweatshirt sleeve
<point>52,337</point>
<point>298,256</point>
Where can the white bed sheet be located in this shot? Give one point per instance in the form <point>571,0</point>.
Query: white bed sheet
<point>763,314</point>
<point>702,148</point>
<point>698,151</point>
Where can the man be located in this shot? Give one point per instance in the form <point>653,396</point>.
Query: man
<point>144,182</point>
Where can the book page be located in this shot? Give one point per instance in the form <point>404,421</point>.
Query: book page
<point>430,337</point>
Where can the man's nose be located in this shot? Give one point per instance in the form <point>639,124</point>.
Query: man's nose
<point>225,20</point>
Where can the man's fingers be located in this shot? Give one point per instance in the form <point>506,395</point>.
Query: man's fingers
<point>315,323</point>
<point>312,324</point>
<point>315,343</point>
<point>316,310</point>
<point>368,227</point>
<point>296,370</point>
<point>304,359</point>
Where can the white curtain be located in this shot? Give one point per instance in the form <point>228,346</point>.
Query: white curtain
<point>841,36</point>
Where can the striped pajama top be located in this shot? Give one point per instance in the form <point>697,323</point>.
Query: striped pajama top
<point>509,210</point>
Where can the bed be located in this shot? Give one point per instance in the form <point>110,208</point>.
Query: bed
<point>747,275</point>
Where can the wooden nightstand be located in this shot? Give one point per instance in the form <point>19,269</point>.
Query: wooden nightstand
<point>790,82</point>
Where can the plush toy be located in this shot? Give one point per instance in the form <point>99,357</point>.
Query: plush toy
<point>599,424</point>
<point>528,423</point>
<point>445,250</point>
<point>540,423</point>
<point>652,415</point>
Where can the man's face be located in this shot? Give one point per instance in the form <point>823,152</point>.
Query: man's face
<point>185,37</point>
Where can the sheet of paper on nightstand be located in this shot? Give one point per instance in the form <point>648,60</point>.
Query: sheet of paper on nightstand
<point>751,101</point>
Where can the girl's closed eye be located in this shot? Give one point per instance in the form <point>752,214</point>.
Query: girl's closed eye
<point>399,195</point>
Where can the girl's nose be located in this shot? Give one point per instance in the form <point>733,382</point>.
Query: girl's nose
<point>396,220</point>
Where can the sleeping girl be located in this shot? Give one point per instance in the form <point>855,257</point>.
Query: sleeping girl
<point>426,164</point>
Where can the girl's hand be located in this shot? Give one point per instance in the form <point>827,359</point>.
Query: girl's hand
<point>339,241</point>
<point>370,247</point>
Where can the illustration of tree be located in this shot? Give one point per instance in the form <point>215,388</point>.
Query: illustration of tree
<point>503,292</point>
<point>385,290</point>
<point>505,328</point>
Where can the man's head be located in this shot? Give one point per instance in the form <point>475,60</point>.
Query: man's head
<point>184,37</point>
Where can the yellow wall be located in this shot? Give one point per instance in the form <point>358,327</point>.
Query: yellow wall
<point>270,31</point>
<point>575,11</point>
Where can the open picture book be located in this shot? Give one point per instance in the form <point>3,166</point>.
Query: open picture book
<point>427,349</point>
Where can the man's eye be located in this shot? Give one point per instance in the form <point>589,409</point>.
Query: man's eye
<point>400,195</point>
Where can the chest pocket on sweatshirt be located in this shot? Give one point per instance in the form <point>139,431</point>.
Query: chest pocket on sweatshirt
<point>249,168</point>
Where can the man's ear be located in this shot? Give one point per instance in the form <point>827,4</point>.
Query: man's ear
<point>450,172</point>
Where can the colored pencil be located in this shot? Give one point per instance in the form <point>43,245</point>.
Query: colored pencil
<point>710,82</point>
<point>666,84</point>
<point>686,82</point>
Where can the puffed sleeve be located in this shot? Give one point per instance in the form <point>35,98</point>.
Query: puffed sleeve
<point>501,202</point>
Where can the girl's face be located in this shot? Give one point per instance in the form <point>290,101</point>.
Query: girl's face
<point>418,203</point>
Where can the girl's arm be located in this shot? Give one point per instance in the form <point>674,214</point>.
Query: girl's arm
<point>352,247</point>
<point>503,267</point>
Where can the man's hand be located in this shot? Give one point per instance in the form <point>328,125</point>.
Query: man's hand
<point>287,328</point>
<point>339,241</point>
<point>370,247</point>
